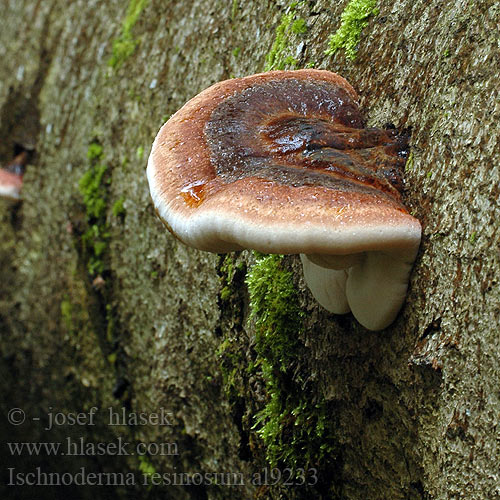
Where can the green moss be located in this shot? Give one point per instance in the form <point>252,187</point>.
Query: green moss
<point>67,314</point>
<point>274,310</point>
<point>94,190</point>
<point>110,323</point>
<point>112,358</point>
<point>231,359</point>
<point>227,274</point>
<point>94,152</point>
<point>353,20</point>
<point>146,468</point>
<point>74,305</point>
<point>295,429</point>
<point>225,293</point>
<point>299,26</point>
<point>234,10</point>
<point>118,209</point>
<point>140,152</point>
<point>95,312</point>
<point>409,162</point>
<point>231,352</point>
<point>236,51</point>
<point>124,46</point>
<point>290,25</point>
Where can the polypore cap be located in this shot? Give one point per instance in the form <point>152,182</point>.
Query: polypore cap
<point>281,162</point>
<point>10,185</point>
<point>261,162</point>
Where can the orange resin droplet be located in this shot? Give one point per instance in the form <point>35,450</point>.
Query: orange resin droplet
<point>194,194</point>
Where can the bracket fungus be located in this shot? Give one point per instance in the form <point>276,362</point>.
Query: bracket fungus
<point>281,162</point>
<point>11,177</point>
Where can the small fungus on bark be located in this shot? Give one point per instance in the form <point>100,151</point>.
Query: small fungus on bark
<point>281,162</point>
<point>11,177</point>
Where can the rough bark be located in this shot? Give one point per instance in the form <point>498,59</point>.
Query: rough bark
<point>412,411</point>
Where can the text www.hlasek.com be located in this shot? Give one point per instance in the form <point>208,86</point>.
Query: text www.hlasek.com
<point>81,447</point>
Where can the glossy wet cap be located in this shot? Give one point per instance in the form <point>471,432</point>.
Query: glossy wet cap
<point>280,162</point>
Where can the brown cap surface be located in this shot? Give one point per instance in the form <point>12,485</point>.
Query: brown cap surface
<point>280,162</point>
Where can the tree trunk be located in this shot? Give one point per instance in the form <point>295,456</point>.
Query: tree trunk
<point>238,382</point>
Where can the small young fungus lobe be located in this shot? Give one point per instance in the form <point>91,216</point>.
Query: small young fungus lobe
<point>11,177</point>
<point>281,162</point>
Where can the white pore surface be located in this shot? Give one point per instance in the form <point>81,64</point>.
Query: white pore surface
<point>374,289</point>
<point>327,285</point>
<point>11,192</point>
